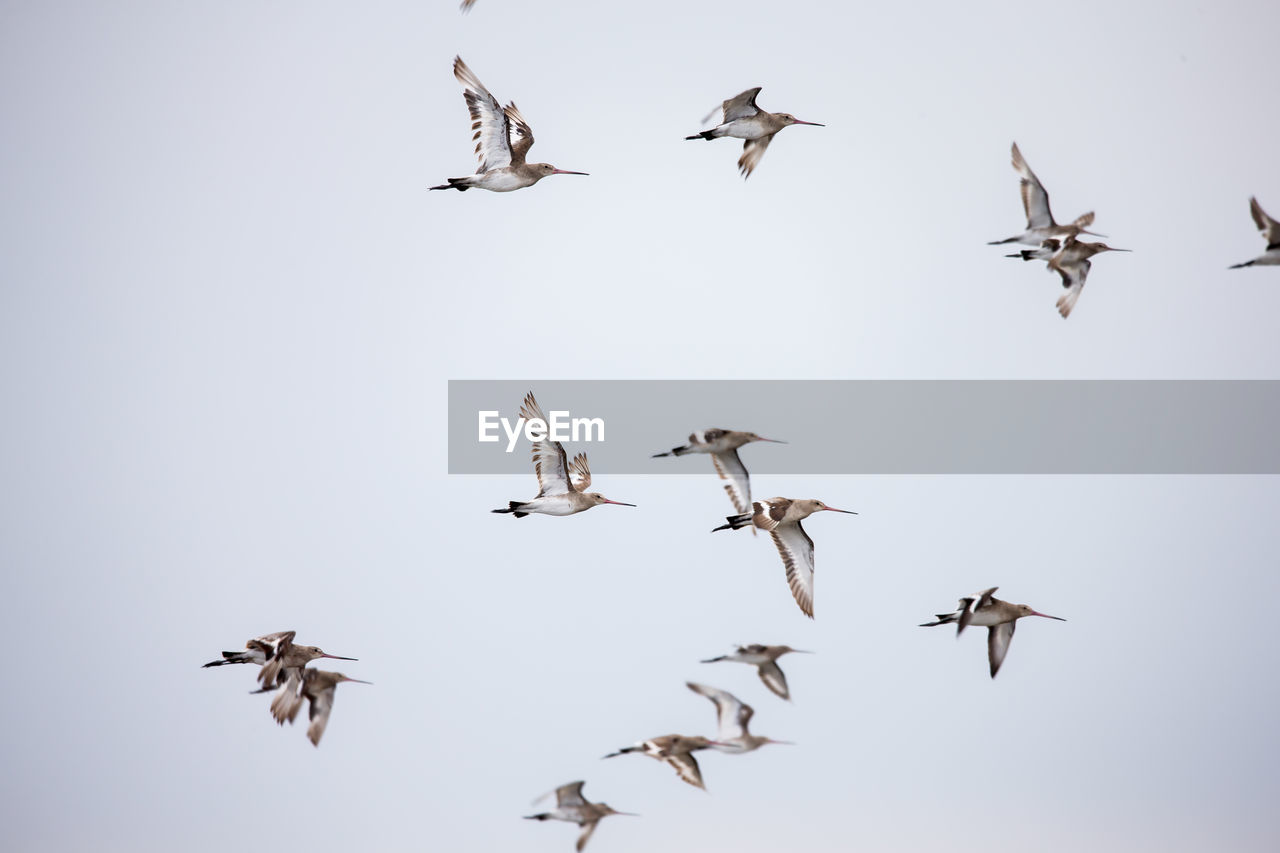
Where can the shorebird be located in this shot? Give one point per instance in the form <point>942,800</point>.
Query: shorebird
<point>1270,230</point>
<point>562,485</point>
<point>764,659</point>
<point>675,750</point>
<point>781,518</point>
<point>318,687</point>
<point>573,807</point>
<point>502,162</point>
<point>732,716</point>
<point>742,119</point>
<point>723,446</point>
<point>1035,201</point>
<point>998,617</point>
<point>1071,261</point>
<point>258,650</point>
<point>283,672</point>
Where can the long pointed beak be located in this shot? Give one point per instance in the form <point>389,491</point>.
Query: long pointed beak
<point>628,814</point>
<point>357,681</point>
<point>566,172</point>
<point>802,652</point>
<point>1111,249</point>
<point>833,509</point>
<point>772,440</point>
<point>783,742</point>
<point>338,657</point>
<point>814,123</point>
<point>1047,616</point>
<point>619,503</point>
<point>1093,233</point>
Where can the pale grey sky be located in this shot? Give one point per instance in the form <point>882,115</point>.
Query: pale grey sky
<point>230,308</point>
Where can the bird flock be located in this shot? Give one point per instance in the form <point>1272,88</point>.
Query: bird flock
<point>503,138</point>
<point>562,485</point>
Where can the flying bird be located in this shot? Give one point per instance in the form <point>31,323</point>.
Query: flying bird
<point>674,750</point>
<point>742,119</point>
<point>571,806</point>
<point>1035,201</point>
<point>466,5</point>
<point>765,660</point>
<point>1270,230</point>
<point>998,617</point>
<point>562,485</point>
<point>781,518</point>
<point>502,159</point>
<point>733,718</point>
<point>318,687</point>
<point>1071,261</point>
<point>722,445</point>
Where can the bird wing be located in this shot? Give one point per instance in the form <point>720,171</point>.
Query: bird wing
<point>580,473</point>
<point>741,106</point>
<point>971,605</point>
<point>752,151</point>
<point>796,549</point>
<point>730,468</point>
<point>774,679</point>
<point>686,767</point>
<point>490,127</point>
<point>467,4</point>
<point>768,513</point>
<point>588,827</point>
<point>270,673</point>
<point>523,133</point>
<point>1269,227</point>
<point>288,699</point>
<point>570,795</point>
<point>1035,201</point>
<point>998,637</point>
<point>321,705</point>
<point>1073,276</point>
<point>549,460</point>
<point>732,716</point>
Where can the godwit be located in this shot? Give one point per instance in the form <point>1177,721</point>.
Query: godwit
<point>1270,230</point>
<point>258,650</point>
<point>318,687</point>
<point>742,119</point>
<point>723,446</point>
<point>1035,201</point>
<point>781,517</point>
<point>557,493</point>
<point>1071,261</point>
<point>573,807</point>
<point>733,717</point>
<point>676,750</point>
<point>502,162</point>
<point>999,618</point>
<point>764,659</point>
<point>283,672</point>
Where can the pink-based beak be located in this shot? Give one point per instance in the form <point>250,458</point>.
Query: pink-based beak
<point>619,503</point>
<point>338,657</point>
<point>566,172</point>
<point>783,742</point>
<point>1047,616</point>
<point>833,509</point>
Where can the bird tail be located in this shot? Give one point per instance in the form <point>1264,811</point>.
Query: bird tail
<point>943,619</point>
<point>1240,266</point>
<point>460,184</point>
<point>675,451</point>
<point>716,660</point>
<point>736,522</point>
<point>543,816</point>
<point>705,134</point>
<point>227,657</point>
<point>514,508</point>
<point>625,750</point>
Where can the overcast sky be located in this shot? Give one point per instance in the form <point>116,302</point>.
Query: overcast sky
<point>230,308</point>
